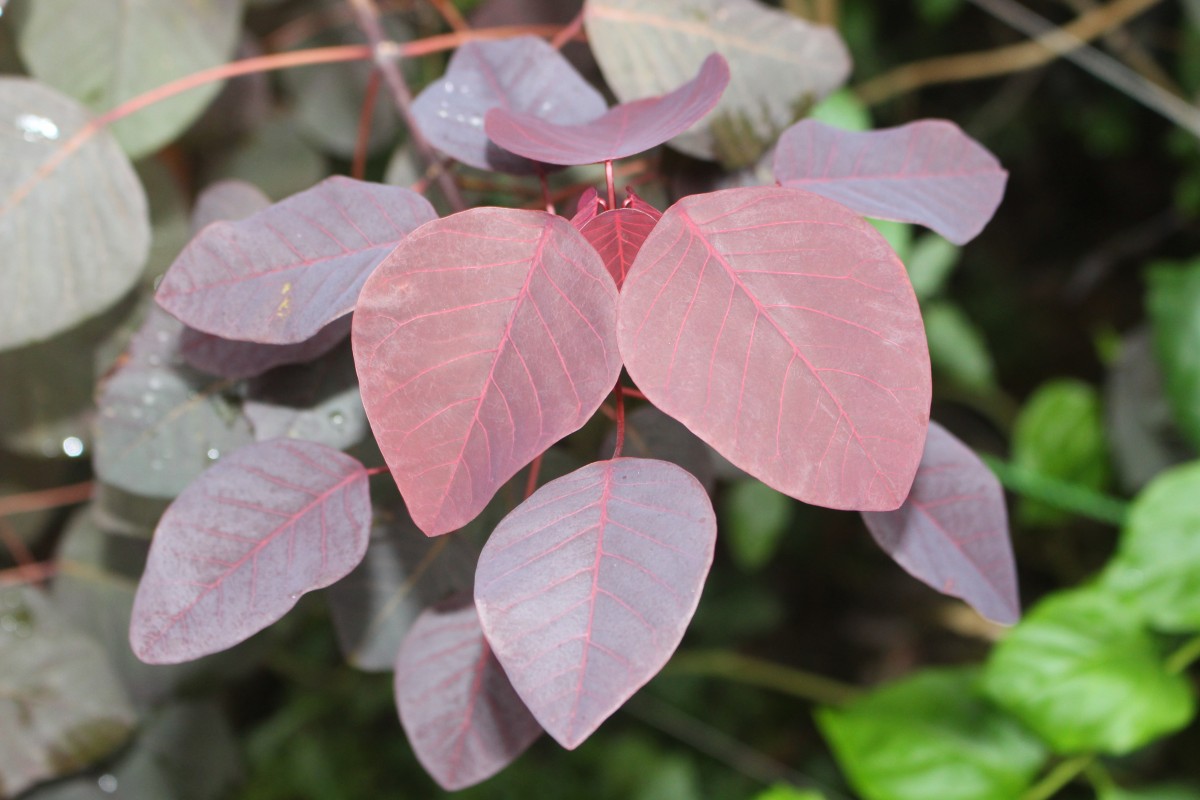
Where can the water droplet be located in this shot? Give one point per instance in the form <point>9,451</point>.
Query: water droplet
<point>449,85</point>
<point>443,113</point>
<point>476,121</point>
<point>155,382</point>
<point>35,128</point>
<point>72,446</point>
<point>148,398</point>
<point>337,419</point>
<point>460,118</point>
<point>546,106</point>
<point>213,454</point>
<point>156,464</point>
<point>107,783</point>
<point>162,336</point>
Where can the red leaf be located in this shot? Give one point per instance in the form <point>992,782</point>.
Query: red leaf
<point>236,360</point>
<point>482,340</point>
<point>586,588</point>
<point>524,75</point>
<point>952,531</point>
<point>588,207</point>
<point>463,719</point>
<point>281,275</point>
<point>638,204</point>
<point>625,130</point>
<point>782,329</point>
<point>928,172</point>
<point>617,236</point>
<point>236,550</point>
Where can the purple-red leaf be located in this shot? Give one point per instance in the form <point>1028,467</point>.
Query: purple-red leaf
<point>236,550</point>
<point>638,204</point>
<point>781,328</point>
<point>283,274</point>
<point>928,172</point>
<point>587,208</point>
<point>463,719</point>
<point>524,75</point>
<point>625,130</point>
<point>483,339</point>
<point>236,360</point>
<point>617,235</point>
<point>586,588</point>
<point>952,531</point>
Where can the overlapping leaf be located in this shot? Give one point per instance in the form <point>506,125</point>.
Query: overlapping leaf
<point>586,588</point>
<point>281,275</point>
<point>236,550</point>
<point>624,130</point>
<point>482,340</point>
<point>463,719</point>
<point>928,172</point>
<point>523,75</point>
<point>103,52</point>
<point>781,328</point>
<point>617,235</point>
<point>227,200</point>
<point>236,360</point>
<point>952,531</point>
<point>649,48</point>
<point>73,215</point>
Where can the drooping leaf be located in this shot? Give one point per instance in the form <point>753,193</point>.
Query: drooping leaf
<point>782,330</point>
<point>73,215</point>
<point>318,401</point>
<point>236,360</point>
<point>928,172</point>
<point>524,75</point>
<point>586,588</point>
<point>1059,433</point>
<point>1157,566</point>
<point>283,274</point>
<point>103,52</point>
<point>483,339</point>
<point>932,735</point>
<point>1173,303</point>
<point>617,235</point>
<point>236,550</point>
<point>160,423</point>
<point>227,200</point>
<point>624,130</point>
<point>1082,673</point>
<point>647,49</point>
<point>403,573</point>
<point>754,519</point>
<point>952,531</point>
<point>463,719</point>
<point>63,709</point>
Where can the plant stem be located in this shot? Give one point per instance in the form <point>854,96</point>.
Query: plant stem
<point>1057,778</point>
<point>450,14</point>
<point>764,674</point>
<point>620,393</point>
<point>1184,657</point>
<point>47,498</point>
<point>568,33</point>
<point>1060,494</point>
<point>358,166</point>
<point>531,483</point>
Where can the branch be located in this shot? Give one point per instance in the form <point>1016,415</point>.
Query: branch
<point>47,498</point>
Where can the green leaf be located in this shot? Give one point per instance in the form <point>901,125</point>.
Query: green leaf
<point>1173,303</point>
<point>755,518</point>
<point>898,234</point>
<point>930,261</point>
<point>844,110</point>
<point>936,12</point>
<point>1165,792</point>
<point>931,736</point>
<point>782,791</point>
<point>1082,673</point>
<point>73,219</point>
<point>957,349</point>
<point>276,159</point>
<point>122,48</point>
<point>1059,433</point>
<point>1157,566</point>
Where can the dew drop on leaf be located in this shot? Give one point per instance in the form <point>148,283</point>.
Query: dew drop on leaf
<point>213,454</point>
<point>107,783</point>
<point>72,446</point>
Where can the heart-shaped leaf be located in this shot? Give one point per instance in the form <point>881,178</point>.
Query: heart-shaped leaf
<point>648,48</point>
<point>236,550</point>
<point>463,719</point>
<point>928,172</point>
<point>73,216</point>
<point>586,588</point>
<point>523,74</point>
<point>952,531</point>
<point>617,235</point>
<point>283,274</point>
<point>483,339</point>
<point>782,329</point>
<point>624,130</point>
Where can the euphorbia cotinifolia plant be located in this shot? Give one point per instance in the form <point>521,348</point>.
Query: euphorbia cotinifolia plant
<point>774,322</point>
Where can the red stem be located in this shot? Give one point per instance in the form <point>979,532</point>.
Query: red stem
<point>377,470</point>
<point>636,394</point>
<point>450,14</point>
<point>47,498</point>
<point>620,393</point>
<point>569,32</point>
<point>546,197</point>
<point>612,189</point>
<point>534,470</point>
<point>28,573</point>
<point>358,167</point>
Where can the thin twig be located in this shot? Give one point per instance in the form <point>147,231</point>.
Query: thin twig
<point>46,498</point>
<point>358,166</point>
<point>764,674</point>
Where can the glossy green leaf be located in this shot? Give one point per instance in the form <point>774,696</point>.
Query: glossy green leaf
<point>1157,565</point>
<point>754,519</point>
<point>73,217</point>
<point>1082,673</point>
<point>1059,433</point>
<point>957,349</point>
<point>1173,303</point>
<point>121,48</point>
<point>62,707</point>
<point>931,736</point>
